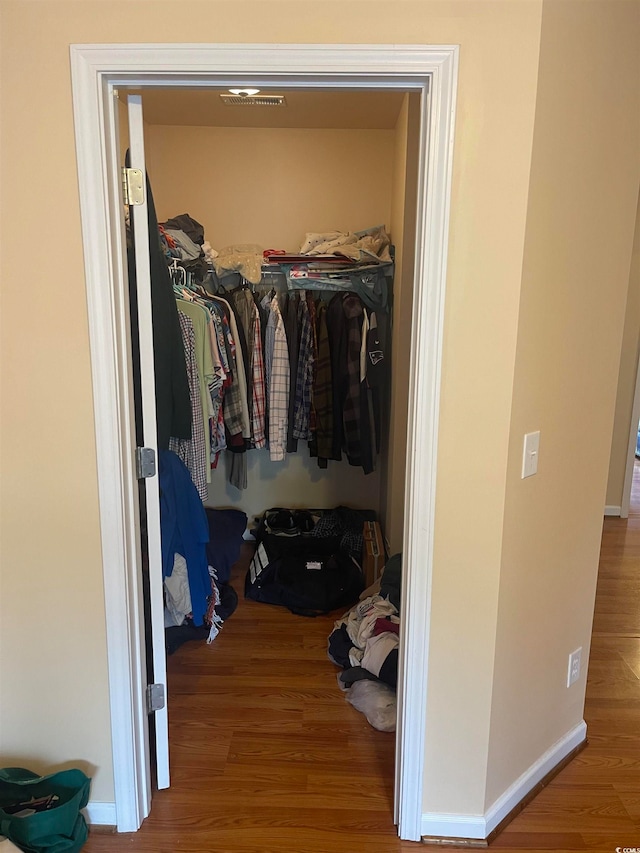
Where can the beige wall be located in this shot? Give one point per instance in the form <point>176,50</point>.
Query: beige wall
<point>626,379</point>
<point>270,185</point>
<point>403,224</point>
<point>582,204</point>
<point>494,129</point>
<point>48,450</point>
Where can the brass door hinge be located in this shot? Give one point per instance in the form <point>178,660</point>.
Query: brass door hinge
<point>132,186</point>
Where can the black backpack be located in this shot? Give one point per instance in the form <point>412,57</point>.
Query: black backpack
<point>309,575</point>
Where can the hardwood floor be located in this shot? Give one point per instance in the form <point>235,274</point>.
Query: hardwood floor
<point>266,755</point>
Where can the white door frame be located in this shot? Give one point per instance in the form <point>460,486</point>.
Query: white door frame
<point>96,71</point>
<point>156,640</point>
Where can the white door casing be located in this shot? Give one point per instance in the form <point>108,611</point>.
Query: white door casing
<point>96,71</point>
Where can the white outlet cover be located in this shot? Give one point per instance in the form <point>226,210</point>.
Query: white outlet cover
<point>573,671</point>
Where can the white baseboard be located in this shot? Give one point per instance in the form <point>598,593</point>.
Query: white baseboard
<point>101,814</point>
<point>612,510</point>
<point>453,826</point>
<point>536,773</point>
<point>481,826</point>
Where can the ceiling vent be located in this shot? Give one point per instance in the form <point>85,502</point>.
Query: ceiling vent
<point>253,100</point>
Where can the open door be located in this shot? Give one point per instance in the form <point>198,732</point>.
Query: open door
<point>147,455</point>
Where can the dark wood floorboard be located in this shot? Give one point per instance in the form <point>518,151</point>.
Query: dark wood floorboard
<point>266,755</point>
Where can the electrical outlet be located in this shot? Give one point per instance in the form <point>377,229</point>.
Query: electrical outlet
<point>573,672</point>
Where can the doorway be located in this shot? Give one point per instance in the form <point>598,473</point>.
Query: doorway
<point>340,159</point>
<point>96,73</point>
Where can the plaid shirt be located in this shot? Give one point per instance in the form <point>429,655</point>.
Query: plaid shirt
<point>304,377</point>
<point>278,389</point>
<point>258,387</point>
<point>241,377</point>
<point>193,451</point>
<point>232,401</point>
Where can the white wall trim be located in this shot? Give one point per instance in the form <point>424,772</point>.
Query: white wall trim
<point>100,814</point>
<point>434,181</point>
<point>96,69</point>
<point>481,826</point>
<point>453,826</point>
<point>612,510</point>
<point>105,282</point>
<point>531,777</point>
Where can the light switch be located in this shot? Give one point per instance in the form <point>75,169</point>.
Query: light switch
<point>530,454</point>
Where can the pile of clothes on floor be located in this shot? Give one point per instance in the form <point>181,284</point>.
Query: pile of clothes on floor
<point>199,546</point>
<point>364,642</point>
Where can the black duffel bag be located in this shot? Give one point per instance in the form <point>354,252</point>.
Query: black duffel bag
<point>307,575</point>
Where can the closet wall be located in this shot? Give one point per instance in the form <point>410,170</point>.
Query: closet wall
<point>271,186</point>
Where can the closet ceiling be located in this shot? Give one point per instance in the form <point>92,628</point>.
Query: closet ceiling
<point>307,109</point>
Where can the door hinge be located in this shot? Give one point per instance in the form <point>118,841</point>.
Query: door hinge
<point>132,186</point>
<point>145,462</point>
<point>155,697</point>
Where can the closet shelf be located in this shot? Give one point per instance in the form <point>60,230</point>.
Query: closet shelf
<point>371,282</point>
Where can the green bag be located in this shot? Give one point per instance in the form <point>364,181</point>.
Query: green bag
<point>59,827</point>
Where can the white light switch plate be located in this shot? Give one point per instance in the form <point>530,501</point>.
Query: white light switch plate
<point>530,454</point>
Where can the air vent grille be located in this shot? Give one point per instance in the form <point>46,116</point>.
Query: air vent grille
<point>254,100</point>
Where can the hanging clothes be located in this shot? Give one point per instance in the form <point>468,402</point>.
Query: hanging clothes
<point>258,401</point>
<point>173,405</point>
<point>378,367</point>
<point>293,345</point>
<point>337,334</point>
<point>200,321</point>
<point>236,410</point>
<point>279,370</point>
<point>323,391</point>
<point>278,375</point>
<point>304,375</point>
<point>313,319</point>
<point>351,411</point>
<point>193,451</point>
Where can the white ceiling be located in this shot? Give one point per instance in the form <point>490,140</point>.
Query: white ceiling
<point>307,109</point>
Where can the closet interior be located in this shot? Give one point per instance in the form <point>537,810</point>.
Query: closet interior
<point>290,227</point>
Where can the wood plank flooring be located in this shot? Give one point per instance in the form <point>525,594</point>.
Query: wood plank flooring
<point>266,755</point>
